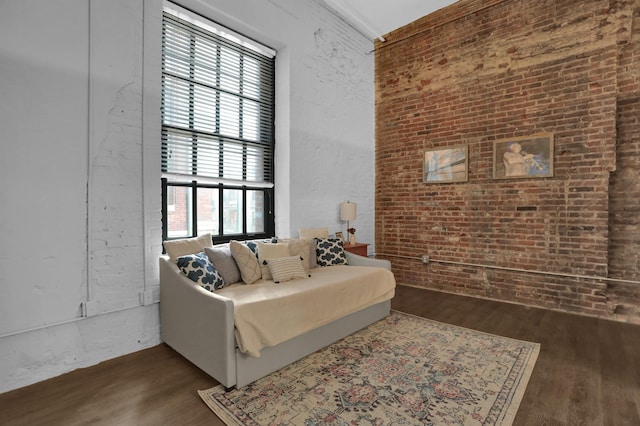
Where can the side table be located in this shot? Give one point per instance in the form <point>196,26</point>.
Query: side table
<point>357,248</point>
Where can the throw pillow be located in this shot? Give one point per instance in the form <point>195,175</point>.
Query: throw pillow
<point>286,268</point>
<point>302,248</point>
<point>222,260</point>
<point>253,244</point>
<point>198,268</point>
<point>185,246</point>
<point>330,252</point>
<point>270,251</point>
<point>247,262</point>
<point>311,233</point>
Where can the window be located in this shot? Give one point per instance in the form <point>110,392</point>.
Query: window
<point>217,131</point>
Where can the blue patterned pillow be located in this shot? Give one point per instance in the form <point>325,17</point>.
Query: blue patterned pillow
<point>198,268</point>
<point>330,252</point>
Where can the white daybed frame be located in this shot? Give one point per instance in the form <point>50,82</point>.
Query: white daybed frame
<point>199,325</point>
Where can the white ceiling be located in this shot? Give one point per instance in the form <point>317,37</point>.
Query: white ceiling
<point>378,17</point>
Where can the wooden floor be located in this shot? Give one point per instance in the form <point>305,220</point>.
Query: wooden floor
<point>588,373</point>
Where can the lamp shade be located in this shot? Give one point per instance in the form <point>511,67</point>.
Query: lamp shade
<point>347,211</point>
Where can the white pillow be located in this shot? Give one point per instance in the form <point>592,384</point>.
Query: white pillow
<point>247,262</point>
<point>302,248</point>
<point>286,268</point>
<point>271,251</point>
<point>311,233</point>
<point>185,246</point>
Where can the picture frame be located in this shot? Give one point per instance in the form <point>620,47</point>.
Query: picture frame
<point>523,157</point>
<point>446,165</point>
<point>339,235</point>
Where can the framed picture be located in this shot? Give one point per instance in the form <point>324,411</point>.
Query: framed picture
<point>445,165</point>
<point>339,236</point>
<point>523,157</point>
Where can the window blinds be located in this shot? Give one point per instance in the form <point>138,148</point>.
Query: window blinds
<point>217,106</point>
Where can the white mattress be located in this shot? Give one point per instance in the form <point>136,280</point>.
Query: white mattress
<point>267,313</point>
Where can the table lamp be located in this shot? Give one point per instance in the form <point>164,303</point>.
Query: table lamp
<point>347,212</point>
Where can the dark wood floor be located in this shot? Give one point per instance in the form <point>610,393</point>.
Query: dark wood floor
<point>588,373</point>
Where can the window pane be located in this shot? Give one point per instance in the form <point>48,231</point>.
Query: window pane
<point>232,199</point>
<point>255,162</point>
<point>229,69</point>
<point>229,115</point>
<point>255,211</point>
<point>176,55</point>
<point>208,211</point>
<point>233,160</point>
<point>179,220</point>
<point>205,61</point>
<point>177,155</point>
<point>204,109</point>
<point>251,78</point>
<point>175,102</point>
<point>208,151</point>
<point>250,120</point>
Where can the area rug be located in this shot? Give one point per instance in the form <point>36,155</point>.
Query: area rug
<point>402,370</point>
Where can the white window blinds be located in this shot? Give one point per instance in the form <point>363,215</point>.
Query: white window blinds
<point>217,104</point>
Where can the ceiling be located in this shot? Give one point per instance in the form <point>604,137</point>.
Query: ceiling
<point>376,18</point>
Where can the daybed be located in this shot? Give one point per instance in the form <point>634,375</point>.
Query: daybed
<point>202,325</point>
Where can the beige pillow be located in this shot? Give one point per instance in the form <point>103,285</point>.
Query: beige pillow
<point>247,262</point>
<point>286,268</point>
<point>301,248</point>
<point>311,233</point>
<point>185,246</point>
<point>270,251</point>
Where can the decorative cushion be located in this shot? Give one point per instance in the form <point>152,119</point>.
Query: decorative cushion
<point>302,248</point>
<point>220,256</point>
<point>198,268</point>
<point>253,244</point>
<point>270,251</point>
<point>286,268</point>
<point>185,246</point>
<point>247,262</point>
<point>330,252</point>
<point>311,233</point>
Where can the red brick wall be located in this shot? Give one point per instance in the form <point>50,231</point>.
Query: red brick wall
<point>624,190</point>
<point>478,72</point>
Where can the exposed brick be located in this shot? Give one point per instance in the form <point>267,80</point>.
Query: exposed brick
<point>480,71</point>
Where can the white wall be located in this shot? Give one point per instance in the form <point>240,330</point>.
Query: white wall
<point>80,211</point>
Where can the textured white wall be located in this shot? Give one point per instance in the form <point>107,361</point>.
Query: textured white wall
<point>80,217</point>
<point>80,221</point>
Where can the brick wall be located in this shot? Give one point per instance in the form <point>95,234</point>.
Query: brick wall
<point>478,72</point>
<point>624,207</point>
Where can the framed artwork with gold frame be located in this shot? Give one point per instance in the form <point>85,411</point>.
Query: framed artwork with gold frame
<point>523,157</point>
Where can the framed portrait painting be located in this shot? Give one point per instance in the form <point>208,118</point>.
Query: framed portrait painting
<point>523,157</point>
<point>445,165</point>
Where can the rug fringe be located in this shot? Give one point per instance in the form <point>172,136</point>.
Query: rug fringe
<point>217,408</point>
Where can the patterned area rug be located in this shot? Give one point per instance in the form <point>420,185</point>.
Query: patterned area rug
<point>402,370</point>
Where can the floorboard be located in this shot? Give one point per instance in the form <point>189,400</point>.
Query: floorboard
<point>588,373</point>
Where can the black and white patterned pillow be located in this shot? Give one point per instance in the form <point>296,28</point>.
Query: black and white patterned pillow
<point>330,252</point>
<point>198,268</point>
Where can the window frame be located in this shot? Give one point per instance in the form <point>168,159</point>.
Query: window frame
<point>193,182</point>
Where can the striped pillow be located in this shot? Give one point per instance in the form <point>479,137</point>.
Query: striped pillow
<point>286,268</point>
